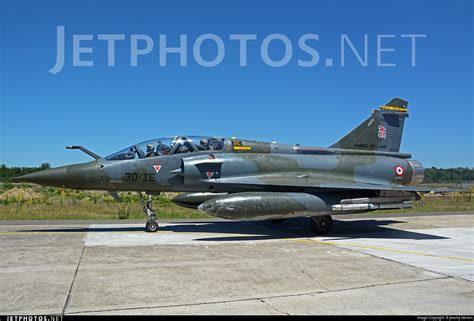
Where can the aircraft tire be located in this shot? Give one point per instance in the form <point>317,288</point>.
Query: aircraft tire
<point>151,226</point>
<point>321,225</point>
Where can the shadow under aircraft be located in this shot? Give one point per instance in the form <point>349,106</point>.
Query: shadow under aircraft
<point>252,231</point>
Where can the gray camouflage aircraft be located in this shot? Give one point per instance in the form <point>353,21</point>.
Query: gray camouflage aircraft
<point>251,180</point>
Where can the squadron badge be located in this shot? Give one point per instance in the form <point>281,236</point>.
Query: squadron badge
<point>382,132</point>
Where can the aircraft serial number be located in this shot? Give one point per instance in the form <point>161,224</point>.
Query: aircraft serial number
<point>139,177</point>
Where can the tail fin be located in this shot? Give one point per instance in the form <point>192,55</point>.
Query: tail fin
<point>382,131</point>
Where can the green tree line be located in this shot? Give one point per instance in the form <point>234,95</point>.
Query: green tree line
<point>7,173</point>
<point>449,175</point>
<point>432,175</point>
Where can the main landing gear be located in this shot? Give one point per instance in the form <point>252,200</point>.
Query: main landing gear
<point>151,225</point>
<point>321,225</point>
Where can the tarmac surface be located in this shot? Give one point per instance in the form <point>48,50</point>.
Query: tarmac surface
<point>370,264</point>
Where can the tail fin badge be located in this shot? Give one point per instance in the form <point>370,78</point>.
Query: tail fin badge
<point>382,132</point>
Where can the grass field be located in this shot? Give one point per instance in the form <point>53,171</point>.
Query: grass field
<point>25,202</point>
<point>48,203</point>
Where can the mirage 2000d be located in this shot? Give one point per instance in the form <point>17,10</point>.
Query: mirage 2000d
<point>251,180</point>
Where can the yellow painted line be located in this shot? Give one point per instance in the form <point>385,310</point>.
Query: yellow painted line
<point>197,234</point>
<point>45,232</point>
<point>65,232</point>
<point>421,222</point>
<point>385,249</point>
<point>72,232</point>
<point>443,221</point>
<point>417,221</point>
<point>433,223</point>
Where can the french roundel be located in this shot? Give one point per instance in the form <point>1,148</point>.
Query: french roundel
<point>399,171</point>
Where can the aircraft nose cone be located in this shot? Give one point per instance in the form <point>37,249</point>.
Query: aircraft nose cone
<point>53,176</point>
<point>85,175</point>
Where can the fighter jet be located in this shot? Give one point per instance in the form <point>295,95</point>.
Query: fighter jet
<point>244,179</point>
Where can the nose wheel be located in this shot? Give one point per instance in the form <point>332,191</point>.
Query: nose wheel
<point>151,224</point>
<point>321,225</point>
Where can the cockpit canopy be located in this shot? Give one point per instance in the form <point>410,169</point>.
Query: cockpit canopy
<point>169,146</point>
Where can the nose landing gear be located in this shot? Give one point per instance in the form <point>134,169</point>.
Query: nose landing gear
<point>151,224</point>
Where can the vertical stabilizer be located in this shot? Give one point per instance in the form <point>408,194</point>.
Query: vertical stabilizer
<point>382,131</point>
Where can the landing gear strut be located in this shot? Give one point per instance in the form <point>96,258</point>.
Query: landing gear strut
<point>151,225</point>
<point>321,225</point>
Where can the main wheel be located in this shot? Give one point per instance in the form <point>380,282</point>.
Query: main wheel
<point>321,225</point>
<point>151,226</point>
